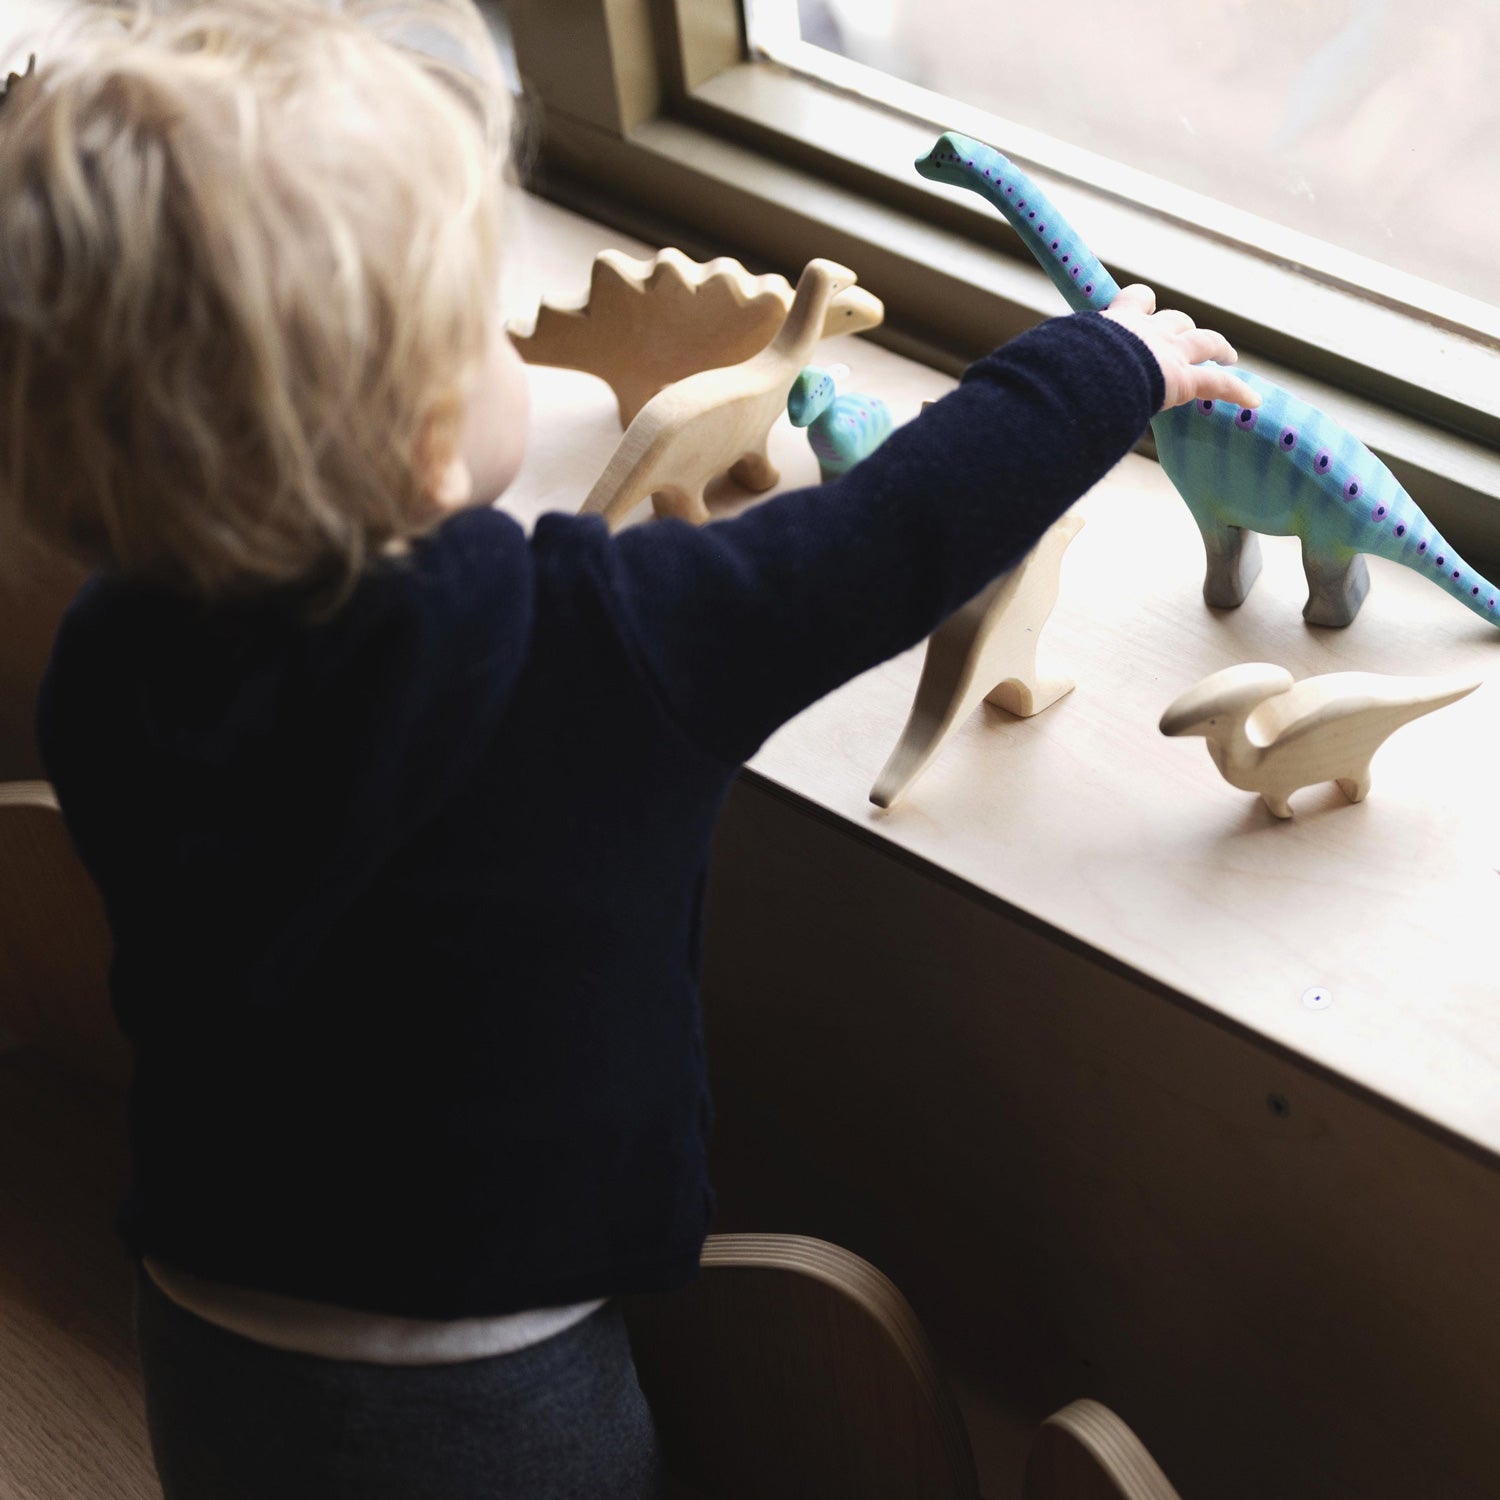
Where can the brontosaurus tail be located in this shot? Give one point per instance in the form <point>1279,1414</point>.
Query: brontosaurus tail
<point>1406,536</point>
<point>1075,270</point>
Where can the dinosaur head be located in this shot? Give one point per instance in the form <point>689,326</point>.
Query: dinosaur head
<point>853,310</point>
<point>811,395</point>
<point>951,157</point>
<point>1224,699</point>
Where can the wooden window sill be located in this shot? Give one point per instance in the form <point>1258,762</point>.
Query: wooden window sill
<point>1088,825</point>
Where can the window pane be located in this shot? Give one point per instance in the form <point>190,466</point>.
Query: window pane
<point>1370,124</point>
<point>21,23</point>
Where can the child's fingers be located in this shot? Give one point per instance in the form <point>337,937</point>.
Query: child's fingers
<point>1171,321</point>
<point>1199,344</point>
<point>1136,296</point>
<point>1211,383</point>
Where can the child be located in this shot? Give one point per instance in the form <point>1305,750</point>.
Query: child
<point>402,818</point>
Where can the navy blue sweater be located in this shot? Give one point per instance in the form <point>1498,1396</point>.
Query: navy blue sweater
<point>406,904</point>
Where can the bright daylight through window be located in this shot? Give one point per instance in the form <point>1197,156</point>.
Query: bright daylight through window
<point>1369,125</point>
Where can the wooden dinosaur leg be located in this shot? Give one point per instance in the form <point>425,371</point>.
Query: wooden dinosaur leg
<point>1280,806</point>
<point>683,504</point>
<point>1026,697</point>
<point>1335,587</point>
<point>1233,564</point>
<point>755,471</point>
<point>1356,787</point>
<point>1022,691</point>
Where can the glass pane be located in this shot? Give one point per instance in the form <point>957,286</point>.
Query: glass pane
<point>1370,124</point>
<point>22,22</point>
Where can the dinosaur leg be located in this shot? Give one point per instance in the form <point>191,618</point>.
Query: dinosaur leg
<point>1022,691</point>
<point>1280,806</point>
<point>1335,588</point>
<point>755,471</point>
<point>685,505</point>
<point>1356,787</point>
<point>1025,697</point>
<point>1233,563</point>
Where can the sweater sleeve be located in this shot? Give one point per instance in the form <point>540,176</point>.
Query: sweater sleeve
<point>741,624</point>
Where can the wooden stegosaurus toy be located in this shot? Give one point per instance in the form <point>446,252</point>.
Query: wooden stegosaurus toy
<point>1284,468</point>
<point>719,420</point>
<point>648,323</point>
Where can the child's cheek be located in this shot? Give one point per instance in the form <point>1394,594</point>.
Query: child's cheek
<point>494,436</point>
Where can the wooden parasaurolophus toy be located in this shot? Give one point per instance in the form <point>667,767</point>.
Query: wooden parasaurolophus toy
<point>1268,733</point>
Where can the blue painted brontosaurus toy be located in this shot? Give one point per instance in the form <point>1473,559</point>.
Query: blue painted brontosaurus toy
<point>1283,468</point>
<point>841,429</point>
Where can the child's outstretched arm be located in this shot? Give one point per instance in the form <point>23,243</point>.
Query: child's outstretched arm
<point>743,623</point>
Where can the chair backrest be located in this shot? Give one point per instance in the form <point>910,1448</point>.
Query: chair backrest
<point>1085,1452</point>
<point>54,941</point>
<point>792,1367</point>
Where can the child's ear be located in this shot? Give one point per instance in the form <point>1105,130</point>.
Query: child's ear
<point>442,471</point>
<point>455,486</point>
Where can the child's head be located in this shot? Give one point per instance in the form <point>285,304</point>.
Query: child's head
<point>248,273</point>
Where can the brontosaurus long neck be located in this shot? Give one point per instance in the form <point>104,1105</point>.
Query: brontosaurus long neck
<point>1075,270</point>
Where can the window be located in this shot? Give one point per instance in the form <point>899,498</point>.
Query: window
<point>1366,124</point>
<point>726,129</point>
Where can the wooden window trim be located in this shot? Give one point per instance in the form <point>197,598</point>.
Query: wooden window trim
<point>651,117</point>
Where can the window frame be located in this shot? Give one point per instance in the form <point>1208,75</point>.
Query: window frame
<point>652,115</point>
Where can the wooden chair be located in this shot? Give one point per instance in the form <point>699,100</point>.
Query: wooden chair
<point>791,1368</point>
<point>794,1368</point>
<point>1085,1452</point>
<point>54,941</point>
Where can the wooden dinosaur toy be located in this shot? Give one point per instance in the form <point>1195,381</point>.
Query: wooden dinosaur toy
<point>647,323</point>
<point>1269,734</point>
<point>841,429</point>
<point>986,650</point>
<point>716,420</point>
<point>1283,468</point>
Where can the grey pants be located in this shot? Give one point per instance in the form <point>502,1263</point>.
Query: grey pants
<point>232,1419</point>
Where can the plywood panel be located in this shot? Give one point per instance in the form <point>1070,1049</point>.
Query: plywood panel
<point>1086,1187</point>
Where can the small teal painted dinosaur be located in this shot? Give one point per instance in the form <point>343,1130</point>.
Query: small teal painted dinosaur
<point>841,429</point>
<point>1283,468</point>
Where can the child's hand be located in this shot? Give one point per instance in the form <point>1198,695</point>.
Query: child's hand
<point>1180,348</point>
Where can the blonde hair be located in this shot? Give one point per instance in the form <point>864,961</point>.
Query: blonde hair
<point>248,265</point>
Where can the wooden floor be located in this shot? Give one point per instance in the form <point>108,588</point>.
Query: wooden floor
<point>71,1419</point>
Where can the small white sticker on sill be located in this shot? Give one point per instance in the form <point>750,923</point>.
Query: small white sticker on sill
<point>1317,998</point>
